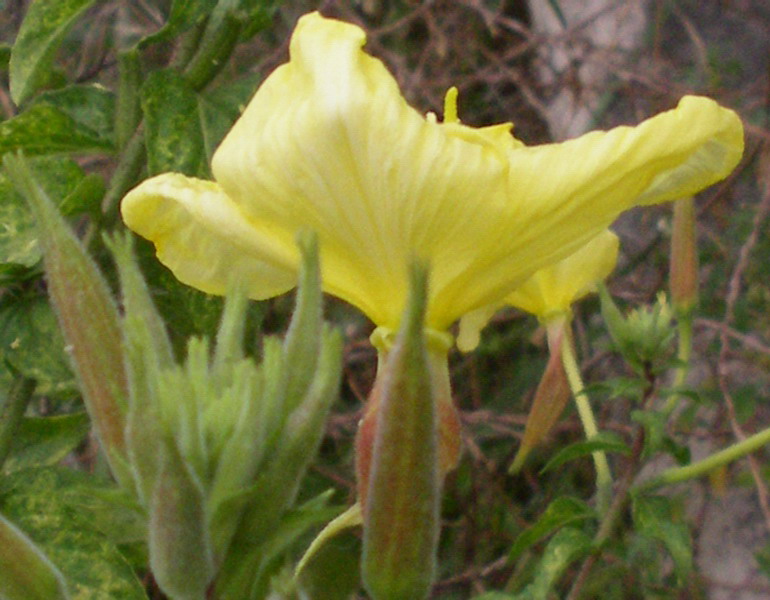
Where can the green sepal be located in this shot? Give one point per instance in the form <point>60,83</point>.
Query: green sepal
<point>147,351</point>
<point>302,338</point>
<point>277,485</point>
<point>180,551</point>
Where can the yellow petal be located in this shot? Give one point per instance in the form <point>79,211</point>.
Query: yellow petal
<point>329,143</point>
<point>562,195</point>
<point>204,238</point>
<point>471,324</point>
<point>553,289</point>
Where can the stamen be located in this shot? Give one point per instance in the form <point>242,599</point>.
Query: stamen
<point>450,106</point>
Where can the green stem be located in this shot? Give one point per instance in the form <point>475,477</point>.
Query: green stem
<point>12,412</point>
<point>723,457</point>
<point>684,351</point>
<point>188,45</point>
<point>124,177</point>
<point>603,474</point>
<point>128,112</point>
<point>217,45</point>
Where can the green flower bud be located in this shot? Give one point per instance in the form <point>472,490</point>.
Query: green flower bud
<point>644,336</point>
<point>87,316</point>
<point>400,502</point>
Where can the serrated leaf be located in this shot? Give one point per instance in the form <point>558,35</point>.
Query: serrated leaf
<point>45,129</point>
<point>44,441</point>
<point>173,132</point>
<point>602,442</point>
<point>25,572</point>
<point>37,501</point>
<point>90,106</point>
<point>560,512</point>
<point>183,15</point>
<point>567,546</point>
<point>44,26</point>
<point>653,519</point>
<point>31,341</point>
<point>61,178</point>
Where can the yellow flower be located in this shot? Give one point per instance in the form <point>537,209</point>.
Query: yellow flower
<point>328,143</point>
<point>551,291</point>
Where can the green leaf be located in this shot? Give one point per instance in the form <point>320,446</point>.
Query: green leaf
<point>40,502</point>
<point>173,131</point>
<point>44,27</point>
<point>183,15</point>
<point>45,129</point>
<point>61,178</point>
<point>565,547</point>
<point>25,572</point>
<point>654,424</point>
<point>44,441</point>
<point>560,512</point>
<point>221,107</point>
<point>85,198</point>
<point>31,341</point>
<point>653,519</point>
<point>334,571</point>
<point>293,525</point>
<point>605,441</point>
<point>92,107</point>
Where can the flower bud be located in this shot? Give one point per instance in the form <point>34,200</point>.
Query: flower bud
<point>87,316</point>
<point>400,501</point>
<point>644,336</point>
<point>684,257</point>
<point>551,397</point>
